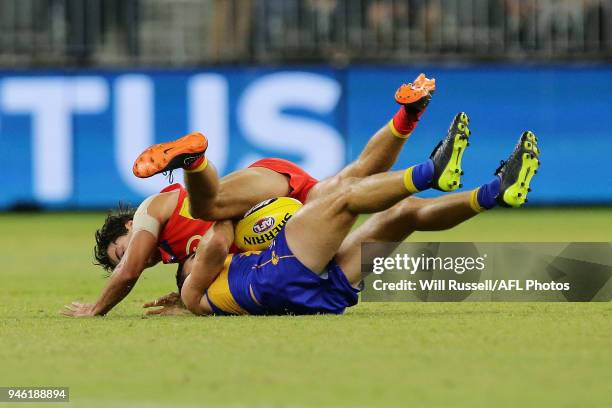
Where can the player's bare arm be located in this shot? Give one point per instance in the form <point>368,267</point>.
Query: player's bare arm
<point>208,262</point>
<point>131,254</point>
<point>122,280</point>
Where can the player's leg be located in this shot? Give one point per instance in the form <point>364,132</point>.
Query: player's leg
<point>211,198</point>
<point>235,194</point>
<point>508,188</point>
<point>382,149</point>
<point>203,186</point>
<point>445,160</point>
<point>398,222</point>
<point>238,192</point>
<point>186,152</point>
<point>241,190</point>
<point>316,232</point>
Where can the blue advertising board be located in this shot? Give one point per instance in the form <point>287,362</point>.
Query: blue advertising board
<point>68,140</point>
<point>568,108</point>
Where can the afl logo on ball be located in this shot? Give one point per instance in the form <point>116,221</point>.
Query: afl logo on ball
<point>263,225</point>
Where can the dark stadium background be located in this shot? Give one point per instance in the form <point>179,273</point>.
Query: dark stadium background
<point>86,85</point>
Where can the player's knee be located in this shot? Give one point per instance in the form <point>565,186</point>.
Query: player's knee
<point>348,183</point>
<point>328,188</point>
<point>345,192</point>
<point>411,210</point>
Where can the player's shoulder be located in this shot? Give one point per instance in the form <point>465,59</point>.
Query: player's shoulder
<point>160,205</point>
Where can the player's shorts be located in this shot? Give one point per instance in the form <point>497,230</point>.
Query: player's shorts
<point>299,181</point>
<point>283,285</point>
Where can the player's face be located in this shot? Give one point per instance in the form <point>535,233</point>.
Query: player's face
<point>117,249</point>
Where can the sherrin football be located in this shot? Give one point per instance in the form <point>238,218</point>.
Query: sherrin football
<point>257,229</point>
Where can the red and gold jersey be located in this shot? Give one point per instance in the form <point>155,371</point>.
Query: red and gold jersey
<point>182,233</point>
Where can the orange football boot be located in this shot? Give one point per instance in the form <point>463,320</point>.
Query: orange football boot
<point>169,156</point>
<point>416,94</point>
<point>423,82</point>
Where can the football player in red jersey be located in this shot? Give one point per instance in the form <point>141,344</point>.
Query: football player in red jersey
<point>163,228</point>
<point>169,226</point>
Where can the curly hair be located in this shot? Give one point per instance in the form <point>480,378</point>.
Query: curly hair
<point>113,228</point>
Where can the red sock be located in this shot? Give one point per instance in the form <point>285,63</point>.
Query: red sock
<point>405,122</point>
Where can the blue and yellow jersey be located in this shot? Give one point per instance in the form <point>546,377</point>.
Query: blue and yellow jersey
<point>280,284</point>
<point>230,291</point>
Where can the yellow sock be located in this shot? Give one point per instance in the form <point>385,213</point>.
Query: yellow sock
<point>201,167</point>
<point>474,202</point>
<point>396,133</point>
<point>408,183</point>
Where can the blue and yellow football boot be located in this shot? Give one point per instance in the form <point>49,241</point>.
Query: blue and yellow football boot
<point>516,173</point>
<point>448,154</point>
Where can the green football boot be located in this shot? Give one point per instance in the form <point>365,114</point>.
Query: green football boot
<point>448,154</point>
<point>516,173</point>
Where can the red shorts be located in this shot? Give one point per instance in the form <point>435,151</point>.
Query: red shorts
<point>299,181</point>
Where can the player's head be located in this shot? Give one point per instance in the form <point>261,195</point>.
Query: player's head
<point>112,239</point>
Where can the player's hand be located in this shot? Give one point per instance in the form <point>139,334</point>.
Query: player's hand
<point>76,309</point>
<point>168,305</point>
<point>168,311</point>
<point>171,299</point>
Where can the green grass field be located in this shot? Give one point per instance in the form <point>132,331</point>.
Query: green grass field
<point>377,355</point>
